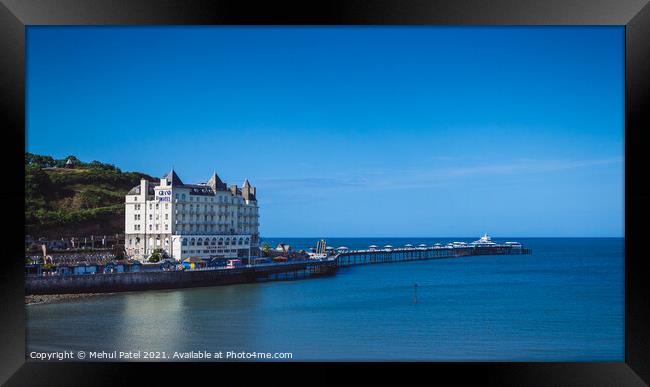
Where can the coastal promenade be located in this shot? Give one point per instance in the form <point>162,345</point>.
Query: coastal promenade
<point>214,276</point>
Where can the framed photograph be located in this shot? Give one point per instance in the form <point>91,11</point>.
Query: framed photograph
<point>453,188</point>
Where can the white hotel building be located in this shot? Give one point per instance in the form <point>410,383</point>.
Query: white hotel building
<point>207,220</point>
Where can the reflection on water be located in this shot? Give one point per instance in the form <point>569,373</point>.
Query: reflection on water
<point>564,303</point>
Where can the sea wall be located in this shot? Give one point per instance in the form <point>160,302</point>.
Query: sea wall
<point>124,282</point>
<point>116,282</point>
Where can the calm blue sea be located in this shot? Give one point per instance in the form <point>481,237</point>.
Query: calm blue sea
<point>565,302</point>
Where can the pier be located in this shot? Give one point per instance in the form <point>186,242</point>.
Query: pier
<point>367,257</point>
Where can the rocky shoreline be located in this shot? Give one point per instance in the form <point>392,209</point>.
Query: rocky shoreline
<point>51,298</point>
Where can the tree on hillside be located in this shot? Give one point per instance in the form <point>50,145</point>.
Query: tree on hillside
<point>99,165</point>
<point>39,161</point>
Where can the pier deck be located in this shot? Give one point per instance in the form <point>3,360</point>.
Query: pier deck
<point>366,257</point>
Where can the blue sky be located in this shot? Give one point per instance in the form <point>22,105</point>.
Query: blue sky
<point>355,131</point>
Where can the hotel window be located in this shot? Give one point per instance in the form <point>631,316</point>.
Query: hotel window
<point>150,227</point>
<point>166,206</point>
<point>166,227</point>
<point>156,227</point>
<point>150,217</point>
<point>183,196</point>
<point>157,206</point>
<point>150,207</point>
<point>166,216</point>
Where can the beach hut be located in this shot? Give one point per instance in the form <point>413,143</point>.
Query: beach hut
<point>388,247</point>
<point>109,268</point>
<point>193,263</point>
<point>372,247</point>
<point>63,270</point>
<point>135,266</point>
<point>342,248</point>
<point>82,269</point>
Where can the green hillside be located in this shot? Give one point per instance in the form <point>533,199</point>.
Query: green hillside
<point>87,198</point>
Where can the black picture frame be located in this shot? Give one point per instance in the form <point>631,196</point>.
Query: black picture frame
<point>15,15</point>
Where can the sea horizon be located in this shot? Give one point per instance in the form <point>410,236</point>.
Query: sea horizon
<point>444,237</point>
